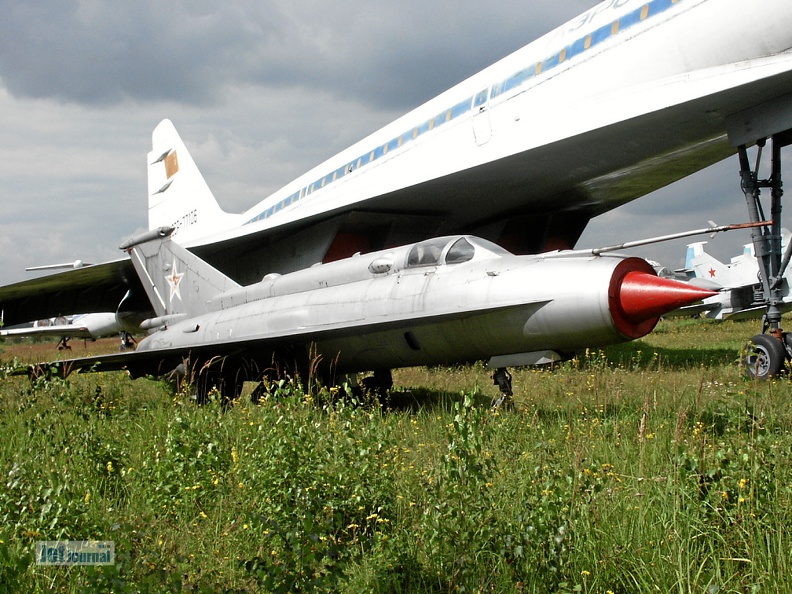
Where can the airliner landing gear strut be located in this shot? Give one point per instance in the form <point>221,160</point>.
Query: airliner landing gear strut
<point>767,352</point>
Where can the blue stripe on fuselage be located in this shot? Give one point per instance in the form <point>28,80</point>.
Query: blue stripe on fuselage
<point>579,46</point>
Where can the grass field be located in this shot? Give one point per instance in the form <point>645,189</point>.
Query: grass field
<point>649,467</point>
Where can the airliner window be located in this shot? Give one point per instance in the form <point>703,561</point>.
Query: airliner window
<point>461,251</point>
<point>426,253</point>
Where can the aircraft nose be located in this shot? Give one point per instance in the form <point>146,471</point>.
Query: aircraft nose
<point>644,296</point>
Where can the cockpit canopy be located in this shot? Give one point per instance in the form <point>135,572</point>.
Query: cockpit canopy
<point>451,250</point>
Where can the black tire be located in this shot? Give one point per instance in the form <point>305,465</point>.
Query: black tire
<point>764,357</point>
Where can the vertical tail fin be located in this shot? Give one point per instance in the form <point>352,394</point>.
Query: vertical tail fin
<point>705,266</point>
<point>693,251</point>
<point>176,281</point>
<point>178,194</point>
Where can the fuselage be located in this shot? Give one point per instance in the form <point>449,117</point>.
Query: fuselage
<point>446,300</point>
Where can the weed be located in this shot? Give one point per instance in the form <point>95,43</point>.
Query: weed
<point>651,466</point>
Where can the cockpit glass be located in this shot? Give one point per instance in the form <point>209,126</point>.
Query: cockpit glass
<point>461,251</point>
<point>484,245</point>
<point>427,253</point>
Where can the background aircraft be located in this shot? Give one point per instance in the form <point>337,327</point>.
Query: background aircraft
<point>476,159</point>
<point>739,281</point>
<point>262,93</point>
<point>86,326</point>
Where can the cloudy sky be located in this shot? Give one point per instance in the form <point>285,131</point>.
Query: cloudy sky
<point>260,91</point>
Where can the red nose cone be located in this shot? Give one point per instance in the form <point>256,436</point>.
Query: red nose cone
<point>644,296</point>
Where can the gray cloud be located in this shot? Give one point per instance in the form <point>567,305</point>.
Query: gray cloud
<point>395,56</point>
<point>99,53</point>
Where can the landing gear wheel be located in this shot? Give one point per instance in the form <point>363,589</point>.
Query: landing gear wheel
<point>764,357</point>
<point>379,385</point>
<point>503,379</point>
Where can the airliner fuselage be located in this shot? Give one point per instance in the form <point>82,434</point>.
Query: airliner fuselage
<point>618,102</point>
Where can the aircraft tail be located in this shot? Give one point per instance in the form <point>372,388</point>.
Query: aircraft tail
<point>178,194</point>
<point>178,283</point>
<point>705,266</point>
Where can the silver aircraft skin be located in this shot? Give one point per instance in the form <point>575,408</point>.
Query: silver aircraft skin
<point>444,300</point>
<point>90,326</point>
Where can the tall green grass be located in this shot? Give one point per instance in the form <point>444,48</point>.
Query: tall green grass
<point>653,466</point>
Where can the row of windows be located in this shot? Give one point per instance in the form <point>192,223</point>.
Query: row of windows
<point>581,45</point>
<point>517,79</point>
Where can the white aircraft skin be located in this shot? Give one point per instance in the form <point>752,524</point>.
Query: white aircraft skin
<point>741,271</point>
<point>86,326</point>
<point>617,102</point>
<point>445,300</point>
<point>737,280</point>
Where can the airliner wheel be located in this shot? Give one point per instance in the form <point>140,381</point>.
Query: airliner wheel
<point>764,357</point>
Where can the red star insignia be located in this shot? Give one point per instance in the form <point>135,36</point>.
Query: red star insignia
<point>174,279</point>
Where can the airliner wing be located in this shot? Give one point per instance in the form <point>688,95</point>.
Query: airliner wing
<point>102,287</point>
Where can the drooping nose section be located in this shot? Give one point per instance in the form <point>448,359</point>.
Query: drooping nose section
<point>638,297</point>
